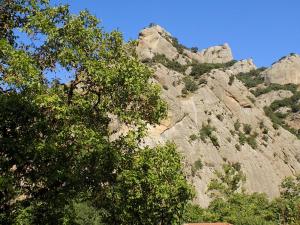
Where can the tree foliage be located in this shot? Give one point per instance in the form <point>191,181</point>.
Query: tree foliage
<point>228,181</point>
<point>152,191</point>
<point>233,205</point>
<point>55,138</point>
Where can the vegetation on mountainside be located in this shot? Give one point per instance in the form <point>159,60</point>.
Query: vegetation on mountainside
<point>252,78</point>
<point>58,162</point>
<point>198,69</point>
<point>274,87</point>
<point>198,165</point>
<point>170,64</point>
<point>207,132</point>
<point>231,80</point>
<point>233,205</point>
<point>278,118</point>
<point>246,135</point>
<point>189,85</point>
<point>177,45</point>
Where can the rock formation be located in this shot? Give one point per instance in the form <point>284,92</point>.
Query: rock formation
<point>221,104</point>
<point>285,71</point>
<point>155,40</point>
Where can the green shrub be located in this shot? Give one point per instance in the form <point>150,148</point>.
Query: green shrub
<point>177,45</point>
<point>261,124</point>
<point>201,68</point>
<point>207,132</point>
<point>215,141</point>
<point>202,81</point>
<point>229,64</point>
<point>275,126</point>
<point>275,87</point>
<point>198,69</point>
<point>242,138</point>
<point>247,128</point>
<point>198,165</point>
<point>252,78</point>
<point>265,138</point>
<point>189,84</point>
<point>194,49</point>
<point>184,92</point>
<point>152,25</point>
<point>237,125</point>
<point>231,80</point>
<point>251,140</point>
<point>193,137</point>
<point>220,117</point>
<point>238,147</point>
<point>170,64</point>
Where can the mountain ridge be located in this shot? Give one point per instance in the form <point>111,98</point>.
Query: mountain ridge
<point>219,101</point>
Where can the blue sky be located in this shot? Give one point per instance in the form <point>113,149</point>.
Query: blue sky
<point>264,30</point>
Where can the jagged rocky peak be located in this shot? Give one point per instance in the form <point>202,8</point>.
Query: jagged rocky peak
<point>215,96</point>
<point>156,40</point>
<point>284,71</point>
<point>215,54</point>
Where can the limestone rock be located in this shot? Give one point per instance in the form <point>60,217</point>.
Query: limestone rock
<point>156,40</point>
<point>215,54</point>
<point>222,104</point>
<point>268,98</point>
<point>285,71</point>
<point>265,167</point>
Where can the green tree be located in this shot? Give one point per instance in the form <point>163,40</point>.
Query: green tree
<point>56,143</point>
<point>288,204</point>
<point>152,191</point>
<point>243,209</point>
<point>228,181</point>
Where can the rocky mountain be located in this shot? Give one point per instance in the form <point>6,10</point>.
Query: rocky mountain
<point>222,111</point>
<point>286,70</point>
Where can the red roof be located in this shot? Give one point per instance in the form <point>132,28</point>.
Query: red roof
<point>207,224</point>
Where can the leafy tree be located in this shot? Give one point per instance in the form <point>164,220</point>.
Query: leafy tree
<point>243,209</point>
<point>231,204</point>
<point>82,213</point>
<point>55,138</point>
<point>152,191</point>
<point>288,205</point>
<point>228,181</point>
<point>195,214</point>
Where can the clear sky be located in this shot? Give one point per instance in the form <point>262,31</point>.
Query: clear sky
<point>264,30</point>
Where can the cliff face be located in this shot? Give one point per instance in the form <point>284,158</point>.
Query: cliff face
<point>220,102</point>
<point>286,70</point>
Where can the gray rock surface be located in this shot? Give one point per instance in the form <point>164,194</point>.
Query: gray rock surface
<point>222,104</point>
<point>268,98</point>
<point>156,40</point>
<point>285,71</point>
